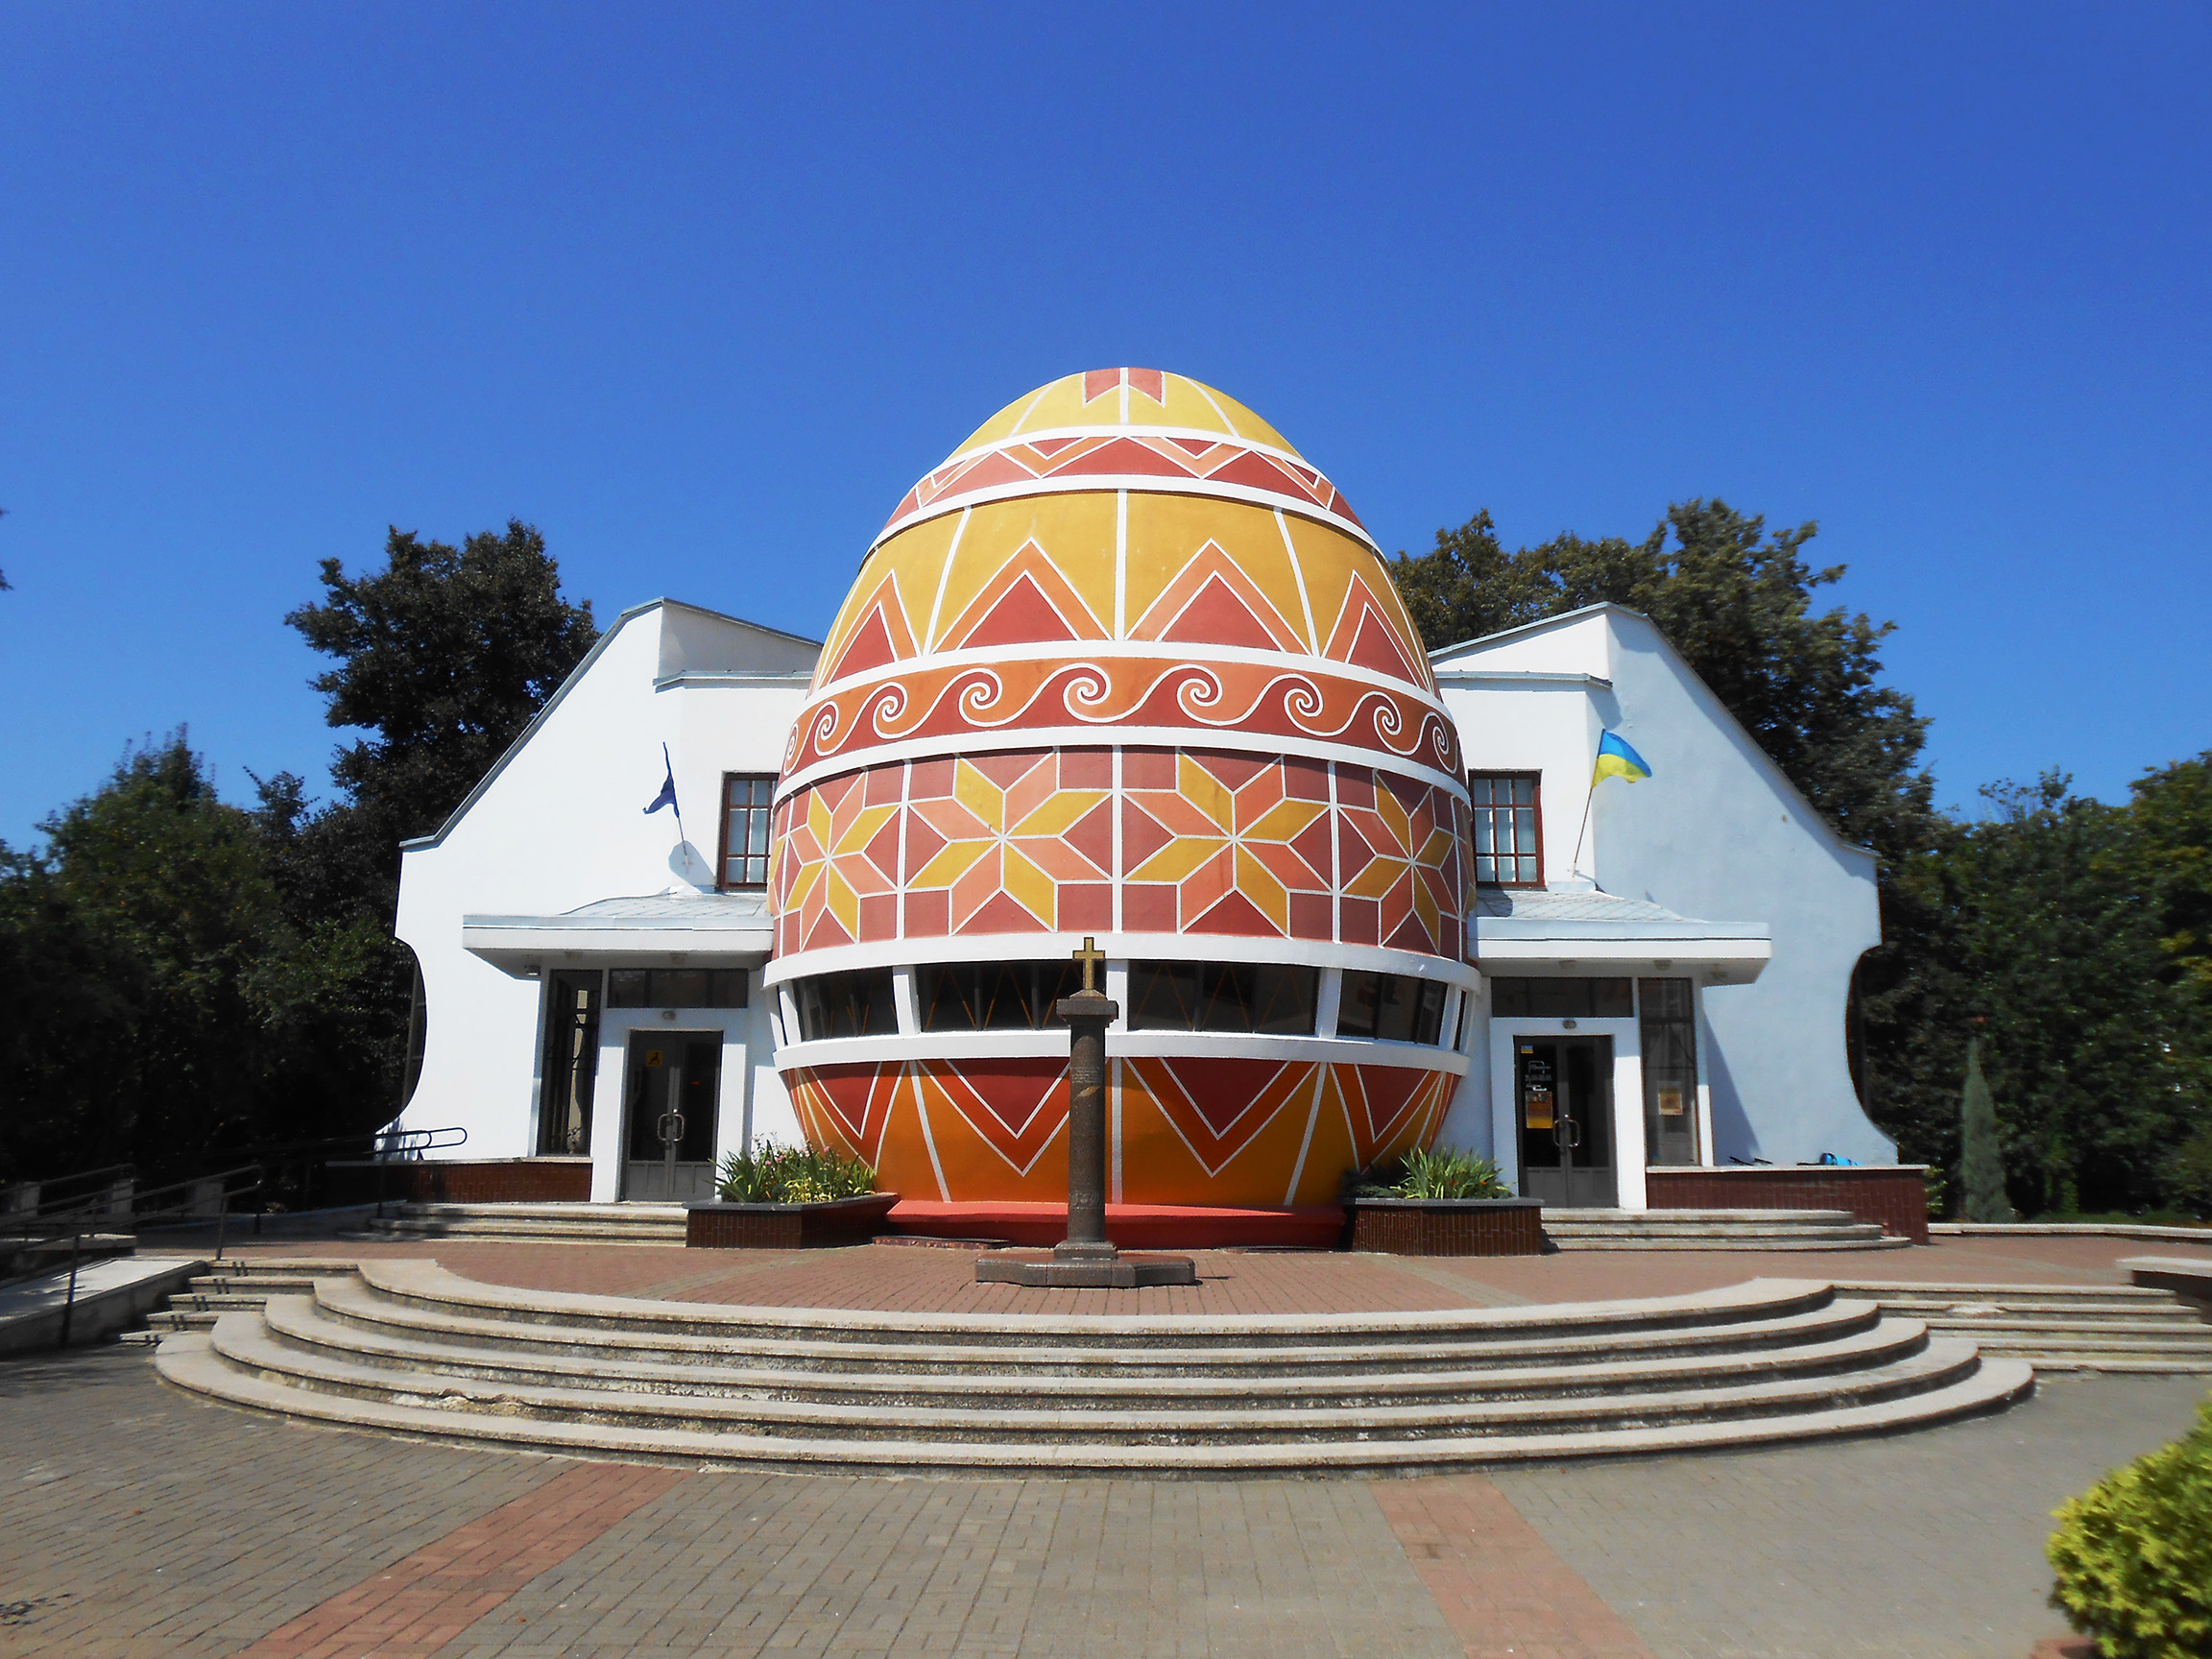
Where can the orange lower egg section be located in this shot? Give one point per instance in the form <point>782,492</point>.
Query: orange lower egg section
<point>1212,1131</point>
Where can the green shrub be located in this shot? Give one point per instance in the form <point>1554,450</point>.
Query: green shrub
<point>1938,1191</point>
<point>2133,1553</point>
<point>1436,1174</point>
<point>2189,1175</point>
<point>774,1174</point>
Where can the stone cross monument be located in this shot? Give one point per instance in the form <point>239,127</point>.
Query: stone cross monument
<point>1085,1258</point>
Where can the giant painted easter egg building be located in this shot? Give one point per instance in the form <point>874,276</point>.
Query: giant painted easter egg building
<point>1125,665</point>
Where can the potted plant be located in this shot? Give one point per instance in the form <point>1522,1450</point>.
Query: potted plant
<point>1439,1203</point>
<point>777,1197</point>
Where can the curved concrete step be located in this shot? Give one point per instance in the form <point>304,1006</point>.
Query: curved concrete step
<point>245,1343</point>
<point>190,1362</point>
<point>1879,1242</point>
<point>301,1324</point>
<point>1096,1348</point>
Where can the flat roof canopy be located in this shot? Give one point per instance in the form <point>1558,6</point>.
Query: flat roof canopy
<point>654,931</point>
<point>1573,931</point>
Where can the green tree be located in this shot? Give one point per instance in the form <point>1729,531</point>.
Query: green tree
<point>2047,921</point>
<point>1981,1159</point>
<point>1738,604</point>
<point>443,655</point>
<point>160,1007</point>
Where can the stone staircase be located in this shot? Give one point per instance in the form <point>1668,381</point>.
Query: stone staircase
<point>2058,1327</point>
<point>410,1349</point>
<point>537,1223</point>
<point>232,1287</point>
<point>1715,1230</point>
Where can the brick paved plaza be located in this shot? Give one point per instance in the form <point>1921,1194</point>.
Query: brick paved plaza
<point>143,1522</point>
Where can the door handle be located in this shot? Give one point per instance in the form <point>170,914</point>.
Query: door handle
<point>671,1127</point>
<point>1567,1133</point>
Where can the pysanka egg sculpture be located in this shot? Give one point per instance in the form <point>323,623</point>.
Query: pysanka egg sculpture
<point>1124,666</point>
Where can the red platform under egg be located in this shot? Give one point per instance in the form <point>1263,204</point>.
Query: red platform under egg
<point>1131,1226</point>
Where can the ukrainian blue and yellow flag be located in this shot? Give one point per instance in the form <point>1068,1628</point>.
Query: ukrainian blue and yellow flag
<point>1616,759</point>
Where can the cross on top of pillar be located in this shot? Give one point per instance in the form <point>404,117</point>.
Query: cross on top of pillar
<point>1092,958</point>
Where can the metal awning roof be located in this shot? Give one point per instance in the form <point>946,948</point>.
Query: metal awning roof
<point>1580,930</point>
<point>649,931</point>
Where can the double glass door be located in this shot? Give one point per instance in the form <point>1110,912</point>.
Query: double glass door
<point>671,1102</point>
<point>1563,1092</point>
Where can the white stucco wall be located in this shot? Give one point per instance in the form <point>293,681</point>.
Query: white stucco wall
<point>561,824</point>
<point>1716,833</point>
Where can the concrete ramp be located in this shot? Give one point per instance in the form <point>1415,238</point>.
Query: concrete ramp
<point>113,1294</point>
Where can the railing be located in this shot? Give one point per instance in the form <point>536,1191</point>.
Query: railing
<point>109,1200</point>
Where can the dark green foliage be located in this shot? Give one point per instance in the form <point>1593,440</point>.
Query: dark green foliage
<point>1737,603</point>
<point>2132,1556</point>
<point>2083,933</point>
<point>774,1174</point>
<point>2053,919</point>
<point>156,1004</point>
<point>1981,1158</point>
<point>444,655</point>
<point>178,977</point>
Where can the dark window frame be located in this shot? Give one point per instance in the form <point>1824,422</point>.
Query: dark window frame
<point>1535,854</point>
<point>1668,1049</point>
<point>1563,996</point>
<point>825,1006</point>
<point>763,806</point>
<point>568,1070</point>
<point>986,991</point>
<point>719,987</point>
<point>1398,1000</point>
<point>1158,1001</point>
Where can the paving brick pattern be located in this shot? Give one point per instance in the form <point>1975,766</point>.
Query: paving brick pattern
<point>921,1279</point>
<point>414,1607</point>
<point>143,1522</point>
<point>1502,1588</point>
<point>1922,1546</point>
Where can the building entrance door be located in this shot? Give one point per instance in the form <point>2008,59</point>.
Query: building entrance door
<point>1563,1090</point>
<point>673,1091</point>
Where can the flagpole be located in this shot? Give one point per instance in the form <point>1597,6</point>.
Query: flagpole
<point>1588,795</point>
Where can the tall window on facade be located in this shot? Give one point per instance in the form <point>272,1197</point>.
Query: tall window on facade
<point>1669,1028</point>
<point>571,1066</point>
<point>993,996</point>
<point>845,1006</point>
<point>745,797</point>
<point>1508,827</point>
<point>1254,999</point>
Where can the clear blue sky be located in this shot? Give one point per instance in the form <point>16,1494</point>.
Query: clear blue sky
<point>701,290</point>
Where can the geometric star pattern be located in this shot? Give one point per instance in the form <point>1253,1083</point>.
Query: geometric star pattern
<point>1023,841</point>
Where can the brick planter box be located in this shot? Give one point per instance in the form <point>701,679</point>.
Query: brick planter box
<point>719,1226</point>
<point>1445,1226</point>
<point>1893,1196</point>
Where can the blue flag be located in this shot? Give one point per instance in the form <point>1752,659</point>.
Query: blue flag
<point>668,795</point>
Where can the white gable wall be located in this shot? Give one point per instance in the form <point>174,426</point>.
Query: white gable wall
<point>1717,832</point>
<point>561,824</point>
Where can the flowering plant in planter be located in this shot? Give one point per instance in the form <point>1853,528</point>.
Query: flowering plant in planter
<point>777,1174</point>
<point>1438,1174</point>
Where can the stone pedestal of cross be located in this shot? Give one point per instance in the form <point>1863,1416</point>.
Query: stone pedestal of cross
<point>1086,1260</point>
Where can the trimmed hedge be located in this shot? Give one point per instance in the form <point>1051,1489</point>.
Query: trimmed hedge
<point>2133,1553</point>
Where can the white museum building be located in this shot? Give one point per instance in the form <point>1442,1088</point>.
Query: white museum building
<point>1661,965</point>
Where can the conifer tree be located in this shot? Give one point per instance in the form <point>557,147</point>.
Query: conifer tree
<point>1980,1163</point>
